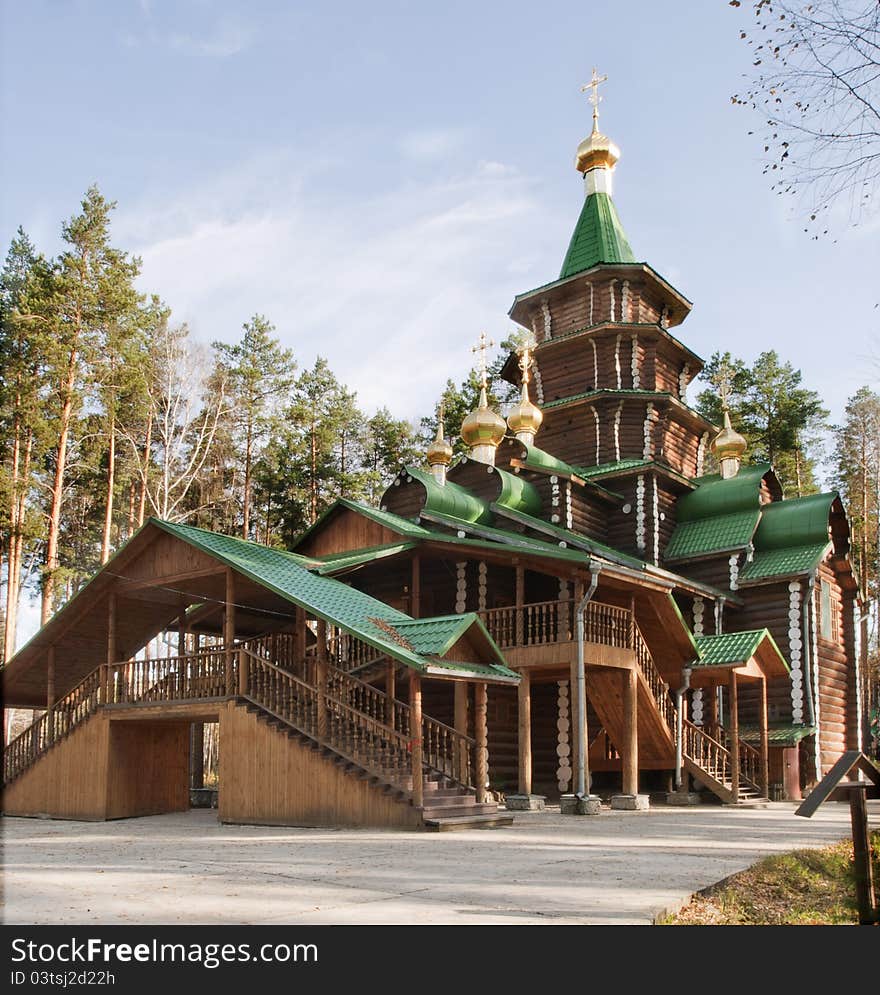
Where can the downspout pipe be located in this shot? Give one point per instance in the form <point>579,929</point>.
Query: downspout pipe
<point>679,725</point>
<point>581,792</point>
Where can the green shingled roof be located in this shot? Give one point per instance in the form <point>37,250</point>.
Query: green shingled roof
<point>434,636</point>
<point>732,648</point>
<point>354,558</point>
<point>285,574</point>
<point>712,535</point>
<point>450,498</point>
<point>618,466</point>
<point>598,237</point>
<point>716,496</point>
<point>777,735</point>
<point>784,562</point>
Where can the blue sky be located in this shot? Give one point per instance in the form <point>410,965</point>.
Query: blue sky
<point>380,179</point>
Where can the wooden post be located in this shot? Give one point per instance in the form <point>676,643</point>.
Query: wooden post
<point>481,737</point>
<point>300,644</point>
<point>321,677</point>
<point>520,601</point>
<point>461,726</point>
<point>242,673</point>
<point>577,720</point>
<point>50,692</point>
<point>524,699</point>
<point>181,628</point>
<point>415,737</point>
<point>710,722</point>
<point>765,741</point>
<point>390,692</point>
<point>229,628</point>
<point>416,587</point>
<point>864,873</point>
<point>733,709</point>
<point>632,622</point>
<point>111,645</point>
<point>630,733</point>
<point>197,755</point>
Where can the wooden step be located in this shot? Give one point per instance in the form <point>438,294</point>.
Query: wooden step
<point>449,824</point>
<point>450,811</point>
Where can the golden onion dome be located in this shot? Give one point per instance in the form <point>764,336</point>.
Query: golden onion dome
<point>597,150</point>
<point>525,416</point>
<point>483,427</point>
<point>728,444</point>
<point>439,452</point>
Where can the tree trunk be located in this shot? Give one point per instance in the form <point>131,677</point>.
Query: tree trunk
<point>111,481</point>
<point>247,483</point>
<point>148,441</point>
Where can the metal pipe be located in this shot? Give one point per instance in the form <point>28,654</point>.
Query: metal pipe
<point>581,792</point>
<point>679,724</point>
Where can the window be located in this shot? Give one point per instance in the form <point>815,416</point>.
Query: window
<point>825,626</point>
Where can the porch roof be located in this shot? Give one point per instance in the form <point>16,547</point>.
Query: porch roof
<point>754,652</point>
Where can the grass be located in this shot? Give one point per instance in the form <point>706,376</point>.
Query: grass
<point>804,887</point>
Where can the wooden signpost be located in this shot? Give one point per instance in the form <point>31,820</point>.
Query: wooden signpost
<point>833,787</point>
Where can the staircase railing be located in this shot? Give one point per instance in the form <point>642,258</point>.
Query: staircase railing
<point>715,759</point>
<point>172,678</point>
<point>653,678</point>
<point>59,721</point>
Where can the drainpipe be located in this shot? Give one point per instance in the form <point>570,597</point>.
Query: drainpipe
<point>808,648</point>
<point>679,725</point>
<point>582,682</point>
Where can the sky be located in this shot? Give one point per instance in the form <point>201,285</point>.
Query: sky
<point>381,179</point>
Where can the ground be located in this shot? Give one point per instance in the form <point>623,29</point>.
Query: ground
<point>616,868</point>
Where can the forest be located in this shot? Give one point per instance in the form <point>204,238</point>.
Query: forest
<point>110,412</point>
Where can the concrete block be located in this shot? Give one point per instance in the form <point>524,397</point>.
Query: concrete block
<point>525,803</point>
<point>572,805</point>
<point>631,803</point>
<point>683,798</point>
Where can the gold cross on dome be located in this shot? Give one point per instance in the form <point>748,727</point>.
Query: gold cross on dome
<point>482,347</point>
<point>525,356</point>
<point>594,97</point>
<point>725,381</point>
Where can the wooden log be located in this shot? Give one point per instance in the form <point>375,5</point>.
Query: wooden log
<point>416,587</point>
<point>415,705</point>
<point>461,726</point>
<point>630,733</point>
<point>50,692</point>
<point>765,741</point>
<point>733,708</point>
<point>864,874</point>
<point>229,628</point>
<point>321,678</point>
<point>520,601</point>
<point>390,691</point>
<point>524,731</point>
<point>482,765</point>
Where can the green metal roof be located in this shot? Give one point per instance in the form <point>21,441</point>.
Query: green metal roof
<point>517,493</point>
<point>343,561</point>
<point>537,459</point>
<point>450,498</point>
<point>284,573</point>
<point>777,735</point>
<point>795,522</point>
<point>624,392</point>
<point>731,648</point>
<point>784,562</point>
<point>598,237</point>
<point>618,466</point>
<point>716,496</point>
<point>712,535</point>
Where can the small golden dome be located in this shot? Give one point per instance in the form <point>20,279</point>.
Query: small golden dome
<point>728,444</point>
<point>439,452</point>
<point>525,416</point>
<point>483,427</point>
<point>597,150</point>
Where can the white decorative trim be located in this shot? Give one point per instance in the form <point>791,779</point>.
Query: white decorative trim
<point>590,320</point>
<point>539,385</point>
<point>482,571</point>
<point>617,360</point>
<point>624,301</point>
<point>795,651</point>
<point>568,512</point>
<point>733,563</point>
<point>683,382</point>
<point>701,453</point>
<point>598,435</point>
<point>647,448</point>
<point>697,697</point>
<point>460,587</point>
<point>617,415</point>
<point>554,492</point>
<point>595,364</point>
<point>656,509</point>
<point>664,316</point>
<point>613,313</point>
<point>548,321</point>
<point>634,364</point>
<point>640,512</point>
<point>563,745</point>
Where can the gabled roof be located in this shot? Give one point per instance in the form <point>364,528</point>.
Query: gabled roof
<point>779,563</point>
<point>739,649</point>
<point>598,238</point>
<point>712,535</point>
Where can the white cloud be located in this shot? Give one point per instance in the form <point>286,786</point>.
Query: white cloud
<point>392,287</point>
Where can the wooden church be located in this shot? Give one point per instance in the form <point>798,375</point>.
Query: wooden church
<point>577,609</point>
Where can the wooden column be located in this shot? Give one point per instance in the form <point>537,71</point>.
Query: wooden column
<point>181,628</point>
<point>50,692</point>
<point>577,721</point>
<point>630,733</point>
<point>481,737</point>
<point>710,704</point>
<point>733,709</point>
<point>390,692</point>
<point>197,755</point>
<point>111,645</point>
<point>765,741</point>
<point>524,699</point>
<point>229,628</point>
<point>520,601</point>
<point>415,735</point>
<point>321,677</point>
<point>300,644</point>
<point>461,726</point>
<point>416,587</point>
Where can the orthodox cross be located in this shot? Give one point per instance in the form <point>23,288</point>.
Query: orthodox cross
<point>594,97</point>
<point>525,357</point>
<point>482,347</point>
<point>725,382</point>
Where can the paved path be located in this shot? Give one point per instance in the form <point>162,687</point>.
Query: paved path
<point>619,867</point>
